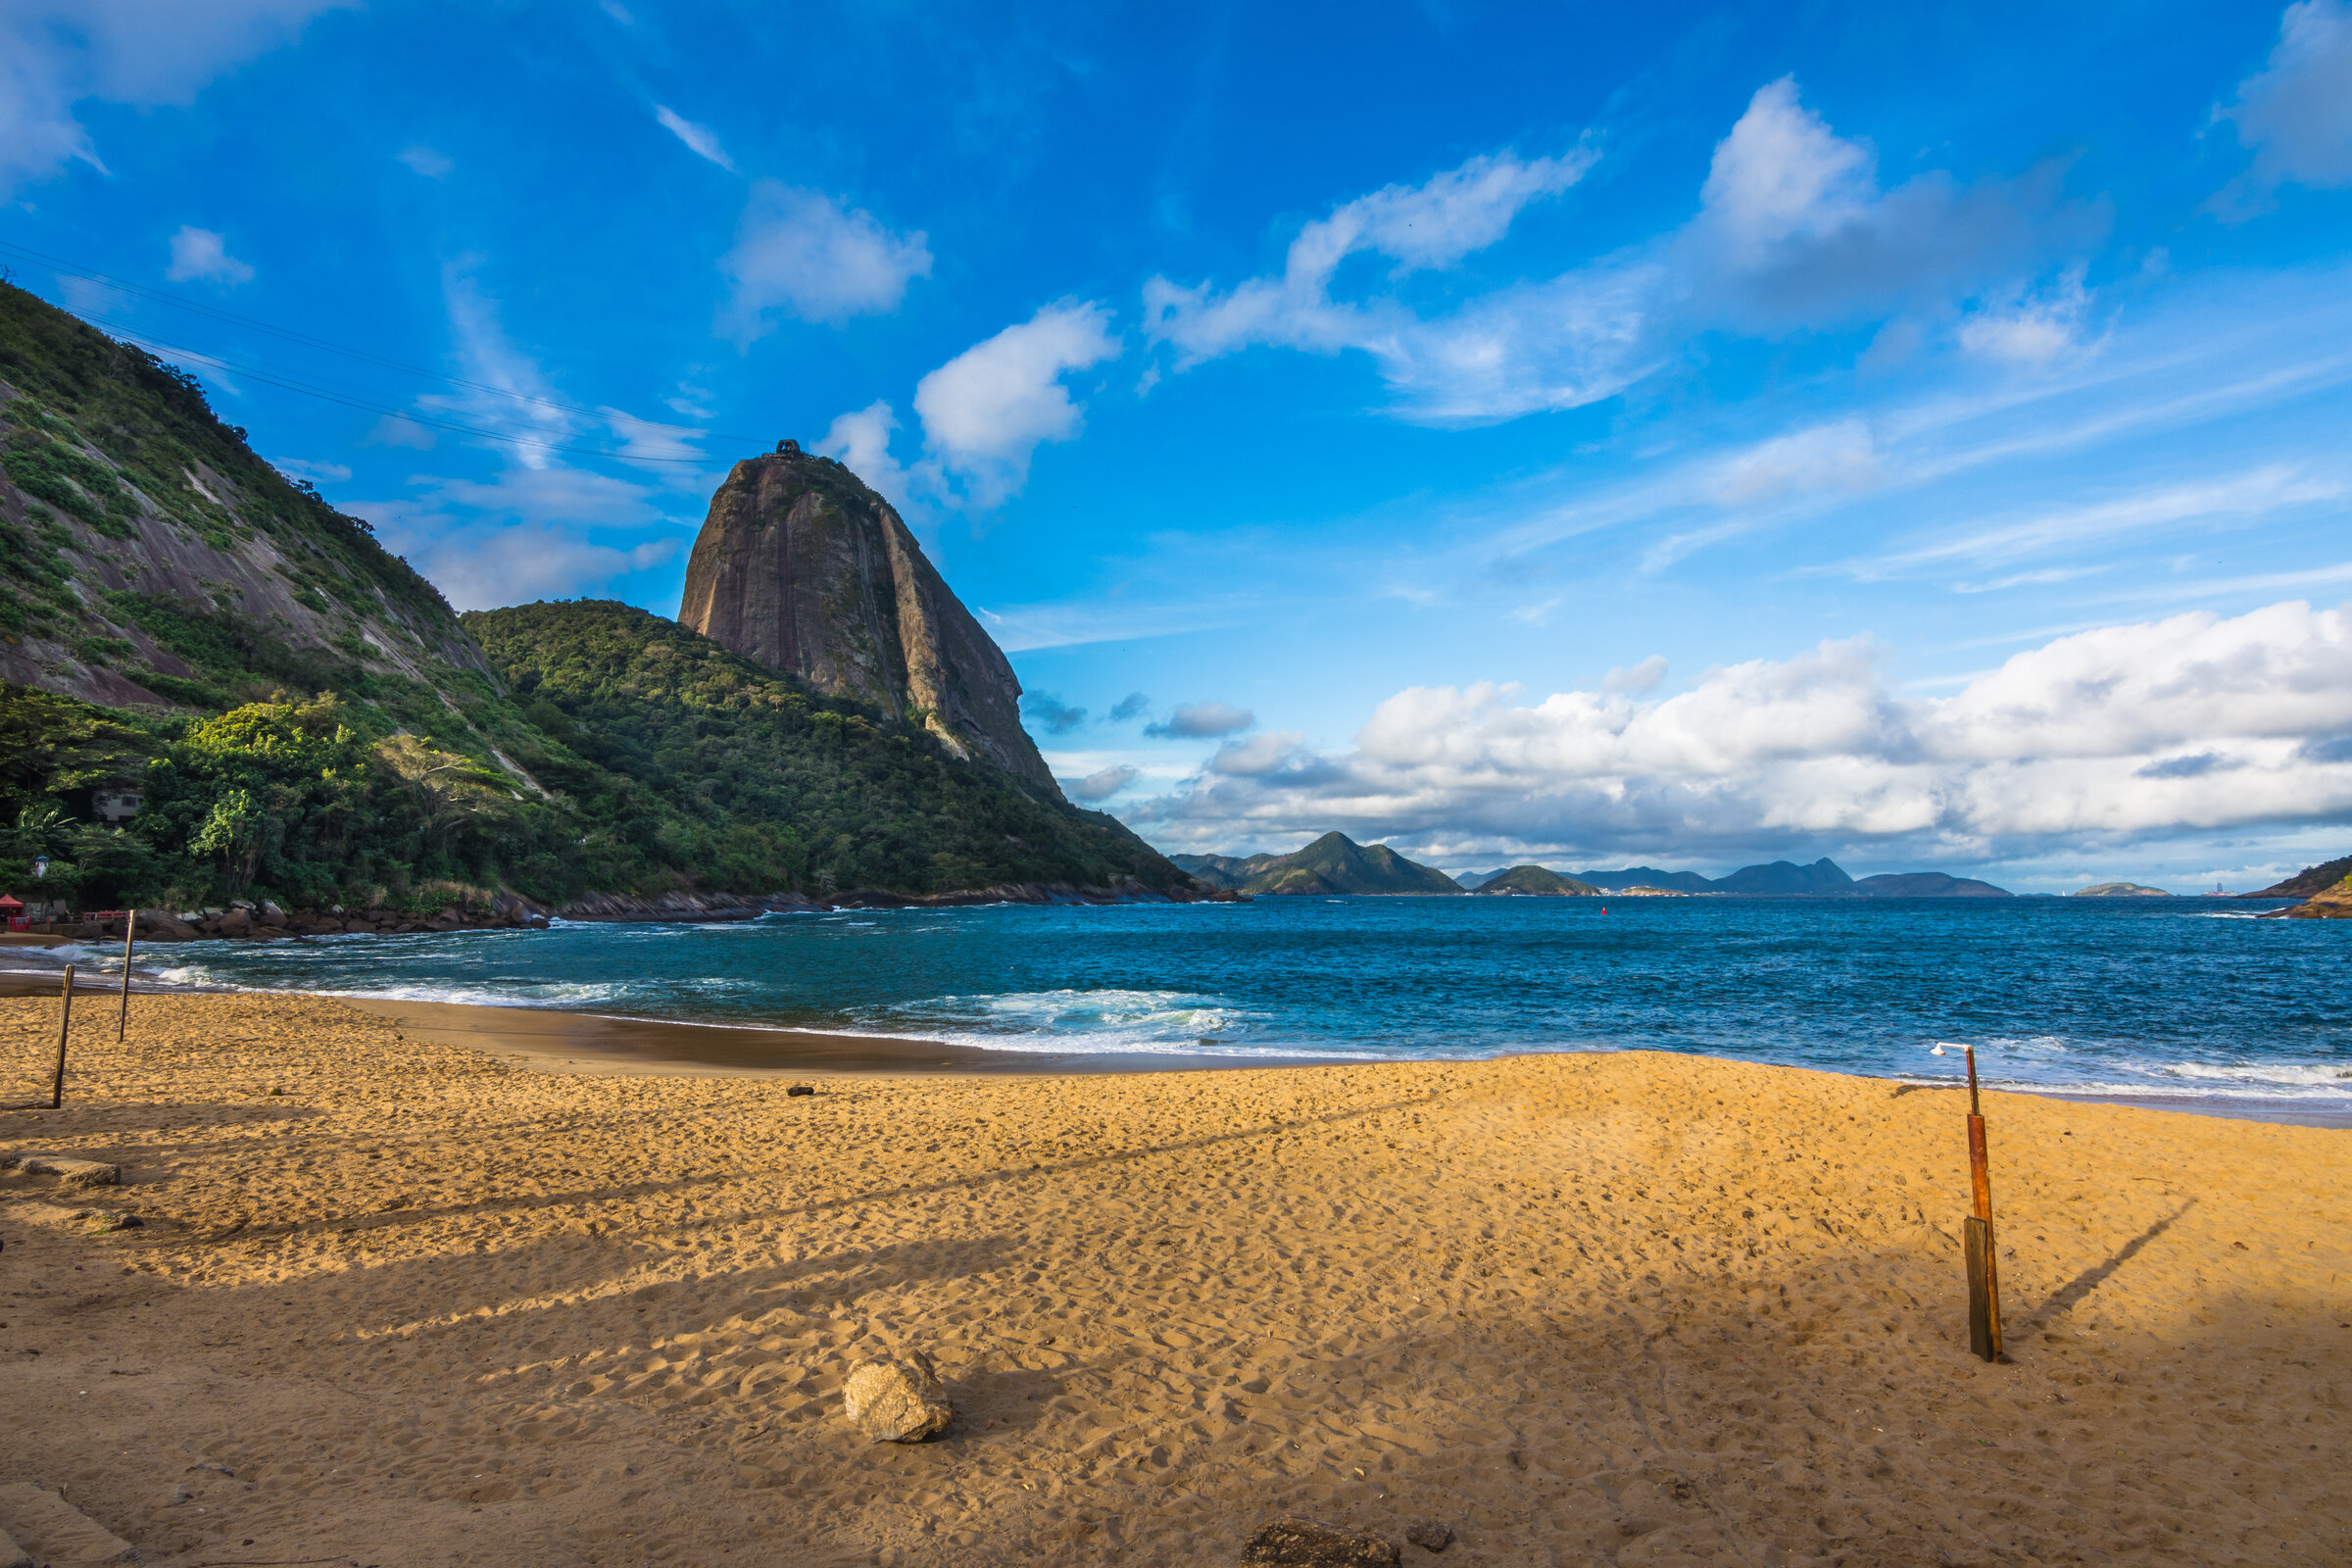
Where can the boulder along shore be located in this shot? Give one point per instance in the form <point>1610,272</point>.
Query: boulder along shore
<point>367,1296</point>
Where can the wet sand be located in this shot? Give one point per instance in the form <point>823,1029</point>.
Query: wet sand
<point>425,1305</point>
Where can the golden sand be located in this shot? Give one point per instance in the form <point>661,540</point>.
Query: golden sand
<point>429,1306</point>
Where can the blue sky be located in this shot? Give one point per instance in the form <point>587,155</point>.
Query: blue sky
<point>1915,435</point>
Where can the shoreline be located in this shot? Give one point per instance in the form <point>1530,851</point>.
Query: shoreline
<point>556,1041</point>
<point>559,1039</point>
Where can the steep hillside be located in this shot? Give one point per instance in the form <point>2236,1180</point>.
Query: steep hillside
<point>664,739</point>
<point>1334,863</point>
<point>1534,881</point>
<point>2311,879</point>
<point>147,556</point>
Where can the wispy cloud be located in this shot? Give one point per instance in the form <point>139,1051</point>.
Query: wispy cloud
<point>700,140</point>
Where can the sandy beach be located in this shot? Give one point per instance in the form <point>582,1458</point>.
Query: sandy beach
<point>411,1292</point>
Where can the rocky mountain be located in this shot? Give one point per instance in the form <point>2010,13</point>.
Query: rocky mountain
<point>804,570</point>
<point>1525,881</point>
<point>1334,863</point>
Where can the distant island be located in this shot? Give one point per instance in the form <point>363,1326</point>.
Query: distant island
<point>1336,863</point>
<point>1524,881</point>
<point>1332,863</point>
<point>2119,890</point>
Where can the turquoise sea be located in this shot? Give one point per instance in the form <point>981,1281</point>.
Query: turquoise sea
<point>2171,998</point>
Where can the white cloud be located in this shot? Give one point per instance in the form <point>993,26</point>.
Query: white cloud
<point>988,410</point>
<point>1101,784</point>
<point>2295,115</point>
<point>199,254</point>
<point>2195,722</point>
<point>860,441</point>
<point>423,160</point>
<point>802,253</point>
<point>700,140</point>
<point>1793,232</point>
<point>1197,720</point>
<point>56,53</point>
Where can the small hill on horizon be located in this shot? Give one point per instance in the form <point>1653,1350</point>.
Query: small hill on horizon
<point>1334,863</point>
<point>2119,890</point>
<point>1533,881</point>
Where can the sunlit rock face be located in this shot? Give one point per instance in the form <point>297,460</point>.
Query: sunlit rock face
<point>804,570</point>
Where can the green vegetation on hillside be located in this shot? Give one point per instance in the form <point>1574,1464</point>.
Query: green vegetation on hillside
<point>1333,863</point>
<point>1534,880</point>
<point>99,434</point>
<point>2321,878</point>
<point>674,747</point>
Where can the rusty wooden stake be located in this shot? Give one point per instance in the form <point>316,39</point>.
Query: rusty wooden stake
<point>64,1021</point>
<point>1983,1273</point>
<point>131,932</point>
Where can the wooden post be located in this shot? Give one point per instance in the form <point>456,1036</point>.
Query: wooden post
<point>1983,1273</point>
<point>64,1021</point>
<point>130,933</point>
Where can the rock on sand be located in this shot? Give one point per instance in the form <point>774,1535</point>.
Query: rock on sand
<point>899,1401</point>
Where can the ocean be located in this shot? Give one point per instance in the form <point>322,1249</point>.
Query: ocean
<point>2187,998</point>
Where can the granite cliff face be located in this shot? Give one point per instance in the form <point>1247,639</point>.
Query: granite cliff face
<point>804,570</point>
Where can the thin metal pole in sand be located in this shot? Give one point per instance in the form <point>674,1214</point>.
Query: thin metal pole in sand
<point>130,933</point>
<point>64,1021</point>
<point>1983,1274</point>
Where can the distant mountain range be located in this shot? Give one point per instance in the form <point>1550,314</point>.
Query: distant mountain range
<point>1333,863</point>
<point>1336,863</point>
<point>1781,879</point>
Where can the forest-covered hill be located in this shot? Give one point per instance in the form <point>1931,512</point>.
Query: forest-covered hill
<point>304,718</point>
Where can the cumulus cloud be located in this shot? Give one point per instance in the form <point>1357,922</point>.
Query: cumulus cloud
<point>57,54</point>
<point>423,160</point>
<point>1051,713</point>
<point>1793,232</point>
<point>800,253</point>
<point>860,441</point>
<point>2296,114</point>
<point>2194,722</point>
<point>986,411</point>
<point>1197,720</point>
<point>1101,784</point>
<point>198,254</point>
<point>700,140</point>
<point>1131,705</point>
